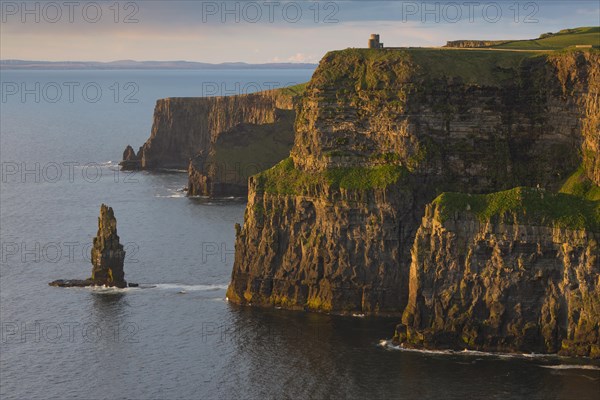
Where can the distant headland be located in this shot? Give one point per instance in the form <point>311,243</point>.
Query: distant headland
<point>131,64</point>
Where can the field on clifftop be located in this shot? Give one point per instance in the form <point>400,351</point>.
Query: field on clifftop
<point>560,40</point>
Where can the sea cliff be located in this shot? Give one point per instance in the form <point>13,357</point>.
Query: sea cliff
<point>219,140</point>
<point>510,271</point>
<point>379,135</point>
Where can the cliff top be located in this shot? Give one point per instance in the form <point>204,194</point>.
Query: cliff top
<point>376,68</point>
<point>491,64</point>
<point>589,35</point>
<point>283,93</point>
<point>528,205</point>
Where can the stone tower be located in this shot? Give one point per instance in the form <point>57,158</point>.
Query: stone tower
<point>374,42</point>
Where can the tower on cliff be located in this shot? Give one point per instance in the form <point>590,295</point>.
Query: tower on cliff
<point>374,42</point>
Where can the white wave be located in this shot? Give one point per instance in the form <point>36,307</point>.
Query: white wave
<point>473,353</point>
<point>108,289</point>
<point>358,315</point>
<point>572,366</point>
<point>174,170</point>
<point>190,288</point>
<point>171,196</point>
<point>389,345</point>
<point>219,299</point>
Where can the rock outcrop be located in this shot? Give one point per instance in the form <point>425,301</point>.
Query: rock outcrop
<point>512,271</point>
<point>219,140</point>
<point>380,134</point>
<point>474,43</point>
<point>131,161</point>
<point>107,255</point>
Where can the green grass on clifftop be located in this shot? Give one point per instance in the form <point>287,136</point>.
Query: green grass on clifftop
<point>480,67</point>
<point>528,205</point>
<point>394,69</point>
<point>296,90</point>
<point>557,41</point>
<point>284,178</point>
<point>398,69</point>
<point>579,185</point>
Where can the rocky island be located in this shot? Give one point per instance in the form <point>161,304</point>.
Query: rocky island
<point>107,256</point>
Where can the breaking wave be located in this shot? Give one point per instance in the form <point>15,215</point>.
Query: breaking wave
<point>190,288</point>
<point>388,345</point>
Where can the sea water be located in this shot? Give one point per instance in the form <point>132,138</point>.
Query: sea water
<point>176,336</point>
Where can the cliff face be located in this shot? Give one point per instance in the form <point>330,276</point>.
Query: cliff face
<point>240,152</point>
<point>379,134</point>
<point>326,249</point>
<point>198,134</point>
<point>185,127</point>
<point>570,72</point>
<point>522,277</point>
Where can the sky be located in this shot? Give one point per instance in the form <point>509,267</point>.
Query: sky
<point>264,31</point>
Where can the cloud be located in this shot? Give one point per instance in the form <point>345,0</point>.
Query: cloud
<point>188,30</point>
<point>297,58</point>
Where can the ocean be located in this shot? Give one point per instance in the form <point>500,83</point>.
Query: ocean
<point>62,134</point>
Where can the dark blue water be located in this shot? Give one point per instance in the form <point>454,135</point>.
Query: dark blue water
<point>180,339</point>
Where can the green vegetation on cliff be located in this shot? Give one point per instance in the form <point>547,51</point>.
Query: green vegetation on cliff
<point>479,67</point>
<point>557,41</point>
<point>363,69</point>
<point>250,148</point>
<point>528,205</point>
<point>245,134</point>
<point>400,71</point>
<point>578,184</point>
<point>296,90</point>
<point>285,178</point>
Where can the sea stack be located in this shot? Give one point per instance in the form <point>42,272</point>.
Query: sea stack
<point>131,161</point>
<point>107,255</point>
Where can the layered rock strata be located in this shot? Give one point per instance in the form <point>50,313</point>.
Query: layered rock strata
<point>513,271</point>
<point>219,140</point>
<point>381,134</point>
